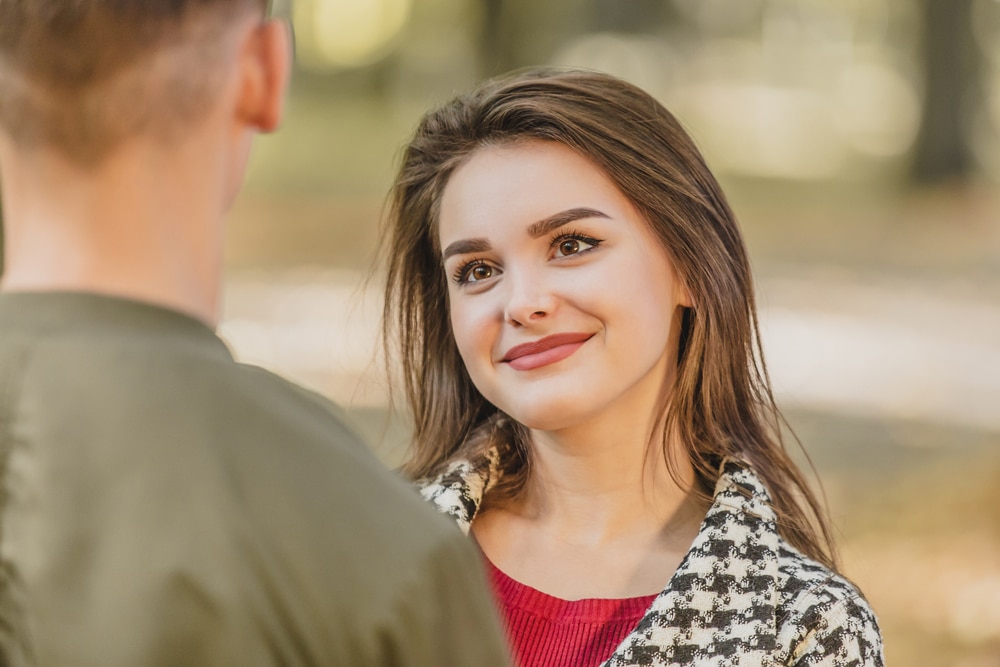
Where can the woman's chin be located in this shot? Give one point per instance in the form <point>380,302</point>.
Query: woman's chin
<point>547,419</point>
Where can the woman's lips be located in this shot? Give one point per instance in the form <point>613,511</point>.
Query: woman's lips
<point>545,351</point>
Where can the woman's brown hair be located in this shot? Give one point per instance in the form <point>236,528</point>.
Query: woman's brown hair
<point>721,404</point>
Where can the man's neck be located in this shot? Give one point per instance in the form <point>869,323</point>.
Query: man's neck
<point>139,225</point>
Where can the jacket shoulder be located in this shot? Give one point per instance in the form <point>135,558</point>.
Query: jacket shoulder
<point>823,618</point>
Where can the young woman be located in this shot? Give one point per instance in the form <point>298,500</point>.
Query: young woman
<point>571,300</point>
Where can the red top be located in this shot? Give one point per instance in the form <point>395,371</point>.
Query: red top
<point>546,631</point>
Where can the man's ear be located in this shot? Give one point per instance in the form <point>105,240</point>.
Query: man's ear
<point>265,65</point>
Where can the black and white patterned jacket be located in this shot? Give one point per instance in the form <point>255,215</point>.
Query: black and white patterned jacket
<point>742,596</point>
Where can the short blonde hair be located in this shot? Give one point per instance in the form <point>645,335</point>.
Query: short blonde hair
<point>81,76</point>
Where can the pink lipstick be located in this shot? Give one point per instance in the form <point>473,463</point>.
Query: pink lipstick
<point>545,351</point>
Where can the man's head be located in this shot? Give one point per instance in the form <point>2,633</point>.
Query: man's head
<point>82,76</point>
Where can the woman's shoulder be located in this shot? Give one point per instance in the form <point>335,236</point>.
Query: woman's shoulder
<point>819,615</point>
<point>821,612</point>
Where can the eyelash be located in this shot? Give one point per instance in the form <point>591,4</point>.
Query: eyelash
<point>461,275</point>
<point>572,235</point>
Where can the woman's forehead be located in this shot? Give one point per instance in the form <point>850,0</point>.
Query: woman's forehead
<point>526,181</point>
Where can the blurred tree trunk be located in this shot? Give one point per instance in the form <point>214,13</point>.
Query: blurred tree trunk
<point>951,65</point>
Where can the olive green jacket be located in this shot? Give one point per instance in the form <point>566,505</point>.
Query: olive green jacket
<point>165,505</point>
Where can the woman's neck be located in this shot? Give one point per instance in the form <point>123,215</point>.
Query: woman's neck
<point>599,517</point>
<point>598,488</point>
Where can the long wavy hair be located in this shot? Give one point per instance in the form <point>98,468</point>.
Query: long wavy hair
<point>721,404</point>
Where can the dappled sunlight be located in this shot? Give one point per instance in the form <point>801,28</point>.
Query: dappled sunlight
<point>875,109</point>
<point>347,33</point>
<point>758,106</point>
<point>764,130</point>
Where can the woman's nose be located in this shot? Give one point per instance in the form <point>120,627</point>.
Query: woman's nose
<point>528,299</point>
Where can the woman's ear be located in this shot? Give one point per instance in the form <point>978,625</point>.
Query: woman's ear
<point>265,65</point>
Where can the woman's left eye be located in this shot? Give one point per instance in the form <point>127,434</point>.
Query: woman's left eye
<point>574,245</point>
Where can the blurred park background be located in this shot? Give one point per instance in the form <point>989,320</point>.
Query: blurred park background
<point>859,142</point>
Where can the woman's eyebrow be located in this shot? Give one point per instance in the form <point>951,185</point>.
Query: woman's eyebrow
<point>553,222</point>
<point>465,246</point>
<point>535,230</point>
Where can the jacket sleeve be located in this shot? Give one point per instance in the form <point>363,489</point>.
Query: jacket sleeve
<point>842,634</point>
<point>448,617</point>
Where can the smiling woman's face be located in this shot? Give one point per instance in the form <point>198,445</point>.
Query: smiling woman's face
<point>562,303</point>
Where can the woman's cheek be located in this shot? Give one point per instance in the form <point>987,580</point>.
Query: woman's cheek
<point>468,328</point>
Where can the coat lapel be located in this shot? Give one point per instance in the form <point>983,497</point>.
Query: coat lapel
<point>719,607</point>
<point>459,491</point>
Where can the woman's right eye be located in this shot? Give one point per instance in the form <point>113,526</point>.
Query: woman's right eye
<point>481,272</point>
<point>474,272</point>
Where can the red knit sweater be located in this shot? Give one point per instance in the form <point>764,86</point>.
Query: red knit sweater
<point>545,631</point>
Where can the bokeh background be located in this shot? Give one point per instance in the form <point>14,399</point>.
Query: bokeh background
<point>859,142</point>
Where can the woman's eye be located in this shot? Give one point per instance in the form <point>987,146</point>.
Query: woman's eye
<point>480,272</point>
<point>474,272</point>
<point>572,246</point>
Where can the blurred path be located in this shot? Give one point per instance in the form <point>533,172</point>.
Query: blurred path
<point>904,350</point>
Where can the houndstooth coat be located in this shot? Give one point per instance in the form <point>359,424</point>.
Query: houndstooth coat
<point>742,596</point>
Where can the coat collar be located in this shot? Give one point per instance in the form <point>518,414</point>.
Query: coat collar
<point>718,608</point>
